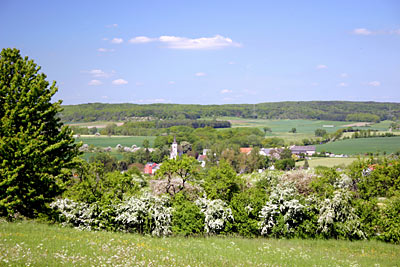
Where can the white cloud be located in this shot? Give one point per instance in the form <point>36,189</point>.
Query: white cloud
<point>226,91</point>
<point>321,66</point>
<point>362,31</point>
<point>115,25</point>
<point>374,83</point>
<point>95,82</point>
<point>344,75</point>
<point>105,50</point>
<point>117,40</point>
<point>231,63</point>
<point>215,42</point>
<point>171,82</point>
<point>141,40</point>
<point>200,74</point>
<point>99,73</point>
<point>396,32</point>
<point>202,43</point>
<point>343,85</point>
<point>119,82</point>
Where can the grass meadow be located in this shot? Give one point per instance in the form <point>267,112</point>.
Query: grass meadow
<point>362,145</point>
<point>29,243</point>
<point>113,141</point>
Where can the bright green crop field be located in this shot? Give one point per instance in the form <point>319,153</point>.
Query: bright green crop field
<point>304,128</point>
<point>327,162</point>
<point>33,244</point>
<point>113,141</point>
<point>362,145</point>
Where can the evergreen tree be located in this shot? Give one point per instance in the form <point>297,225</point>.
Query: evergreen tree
<point>35,147</point>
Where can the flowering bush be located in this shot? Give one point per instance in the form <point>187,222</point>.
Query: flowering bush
<point>217,215</point>
<point>147,214</point>
<point>283,212</point>
<point>337,217</point>
<point>78,214</point>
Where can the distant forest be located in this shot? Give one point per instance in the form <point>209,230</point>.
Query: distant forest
<point>320,110</point>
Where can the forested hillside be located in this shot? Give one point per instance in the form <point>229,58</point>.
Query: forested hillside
<point>321,110</point>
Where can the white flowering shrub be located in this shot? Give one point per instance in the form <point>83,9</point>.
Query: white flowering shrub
<point>147,214</point>
<point>337,216</point>
<point>282,212</point>
<point>217,214</point>
<point>80,215</point>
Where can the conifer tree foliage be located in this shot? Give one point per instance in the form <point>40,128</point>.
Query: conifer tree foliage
<point>35,147</point>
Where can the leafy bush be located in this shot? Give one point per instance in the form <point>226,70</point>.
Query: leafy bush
<point>246,207</point>
<point>187,218</point>
<point>221,182</point>
<point>389,222</point>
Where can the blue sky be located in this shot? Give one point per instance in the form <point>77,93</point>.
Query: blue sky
<point>210,52</point>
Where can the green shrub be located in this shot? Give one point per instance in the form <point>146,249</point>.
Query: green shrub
<point>187,218</point>
<point>389,222</point>
<point>246,207</point>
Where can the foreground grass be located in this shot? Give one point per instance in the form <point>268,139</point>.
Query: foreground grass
<point>30,243</point>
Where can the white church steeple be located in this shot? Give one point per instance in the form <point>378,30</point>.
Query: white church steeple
<point>174,150</point>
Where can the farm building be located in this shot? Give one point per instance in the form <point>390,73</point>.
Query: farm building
<point>306,150</point>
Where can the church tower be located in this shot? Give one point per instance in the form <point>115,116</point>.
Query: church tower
<point>174,150</point>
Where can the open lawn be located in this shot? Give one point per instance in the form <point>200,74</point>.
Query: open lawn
<point>112,141</point>
<point>327,162</point>
<point>362,145</point>
<point>30,243</point>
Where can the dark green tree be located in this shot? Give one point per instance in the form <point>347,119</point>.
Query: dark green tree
<point>320,132</point>
<point>35,147</point>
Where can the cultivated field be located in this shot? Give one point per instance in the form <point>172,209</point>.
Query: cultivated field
<point>34,244</point>
<point>304,128</point>
<point>327,162</point>
<point>112,141</point>
<point>97,124</point>
<point>362,145</point>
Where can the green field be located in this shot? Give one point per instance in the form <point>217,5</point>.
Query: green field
<point>362,145</point>
<point>327,162</point>
<point>113,141</point>
<point>304,128</point>
<point>34,244</point>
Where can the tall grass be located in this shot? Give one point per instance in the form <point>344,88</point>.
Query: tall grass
<point>31,243</point>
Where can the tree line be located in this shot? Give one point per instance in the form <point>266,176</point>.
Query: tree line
<point>319,110</point>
